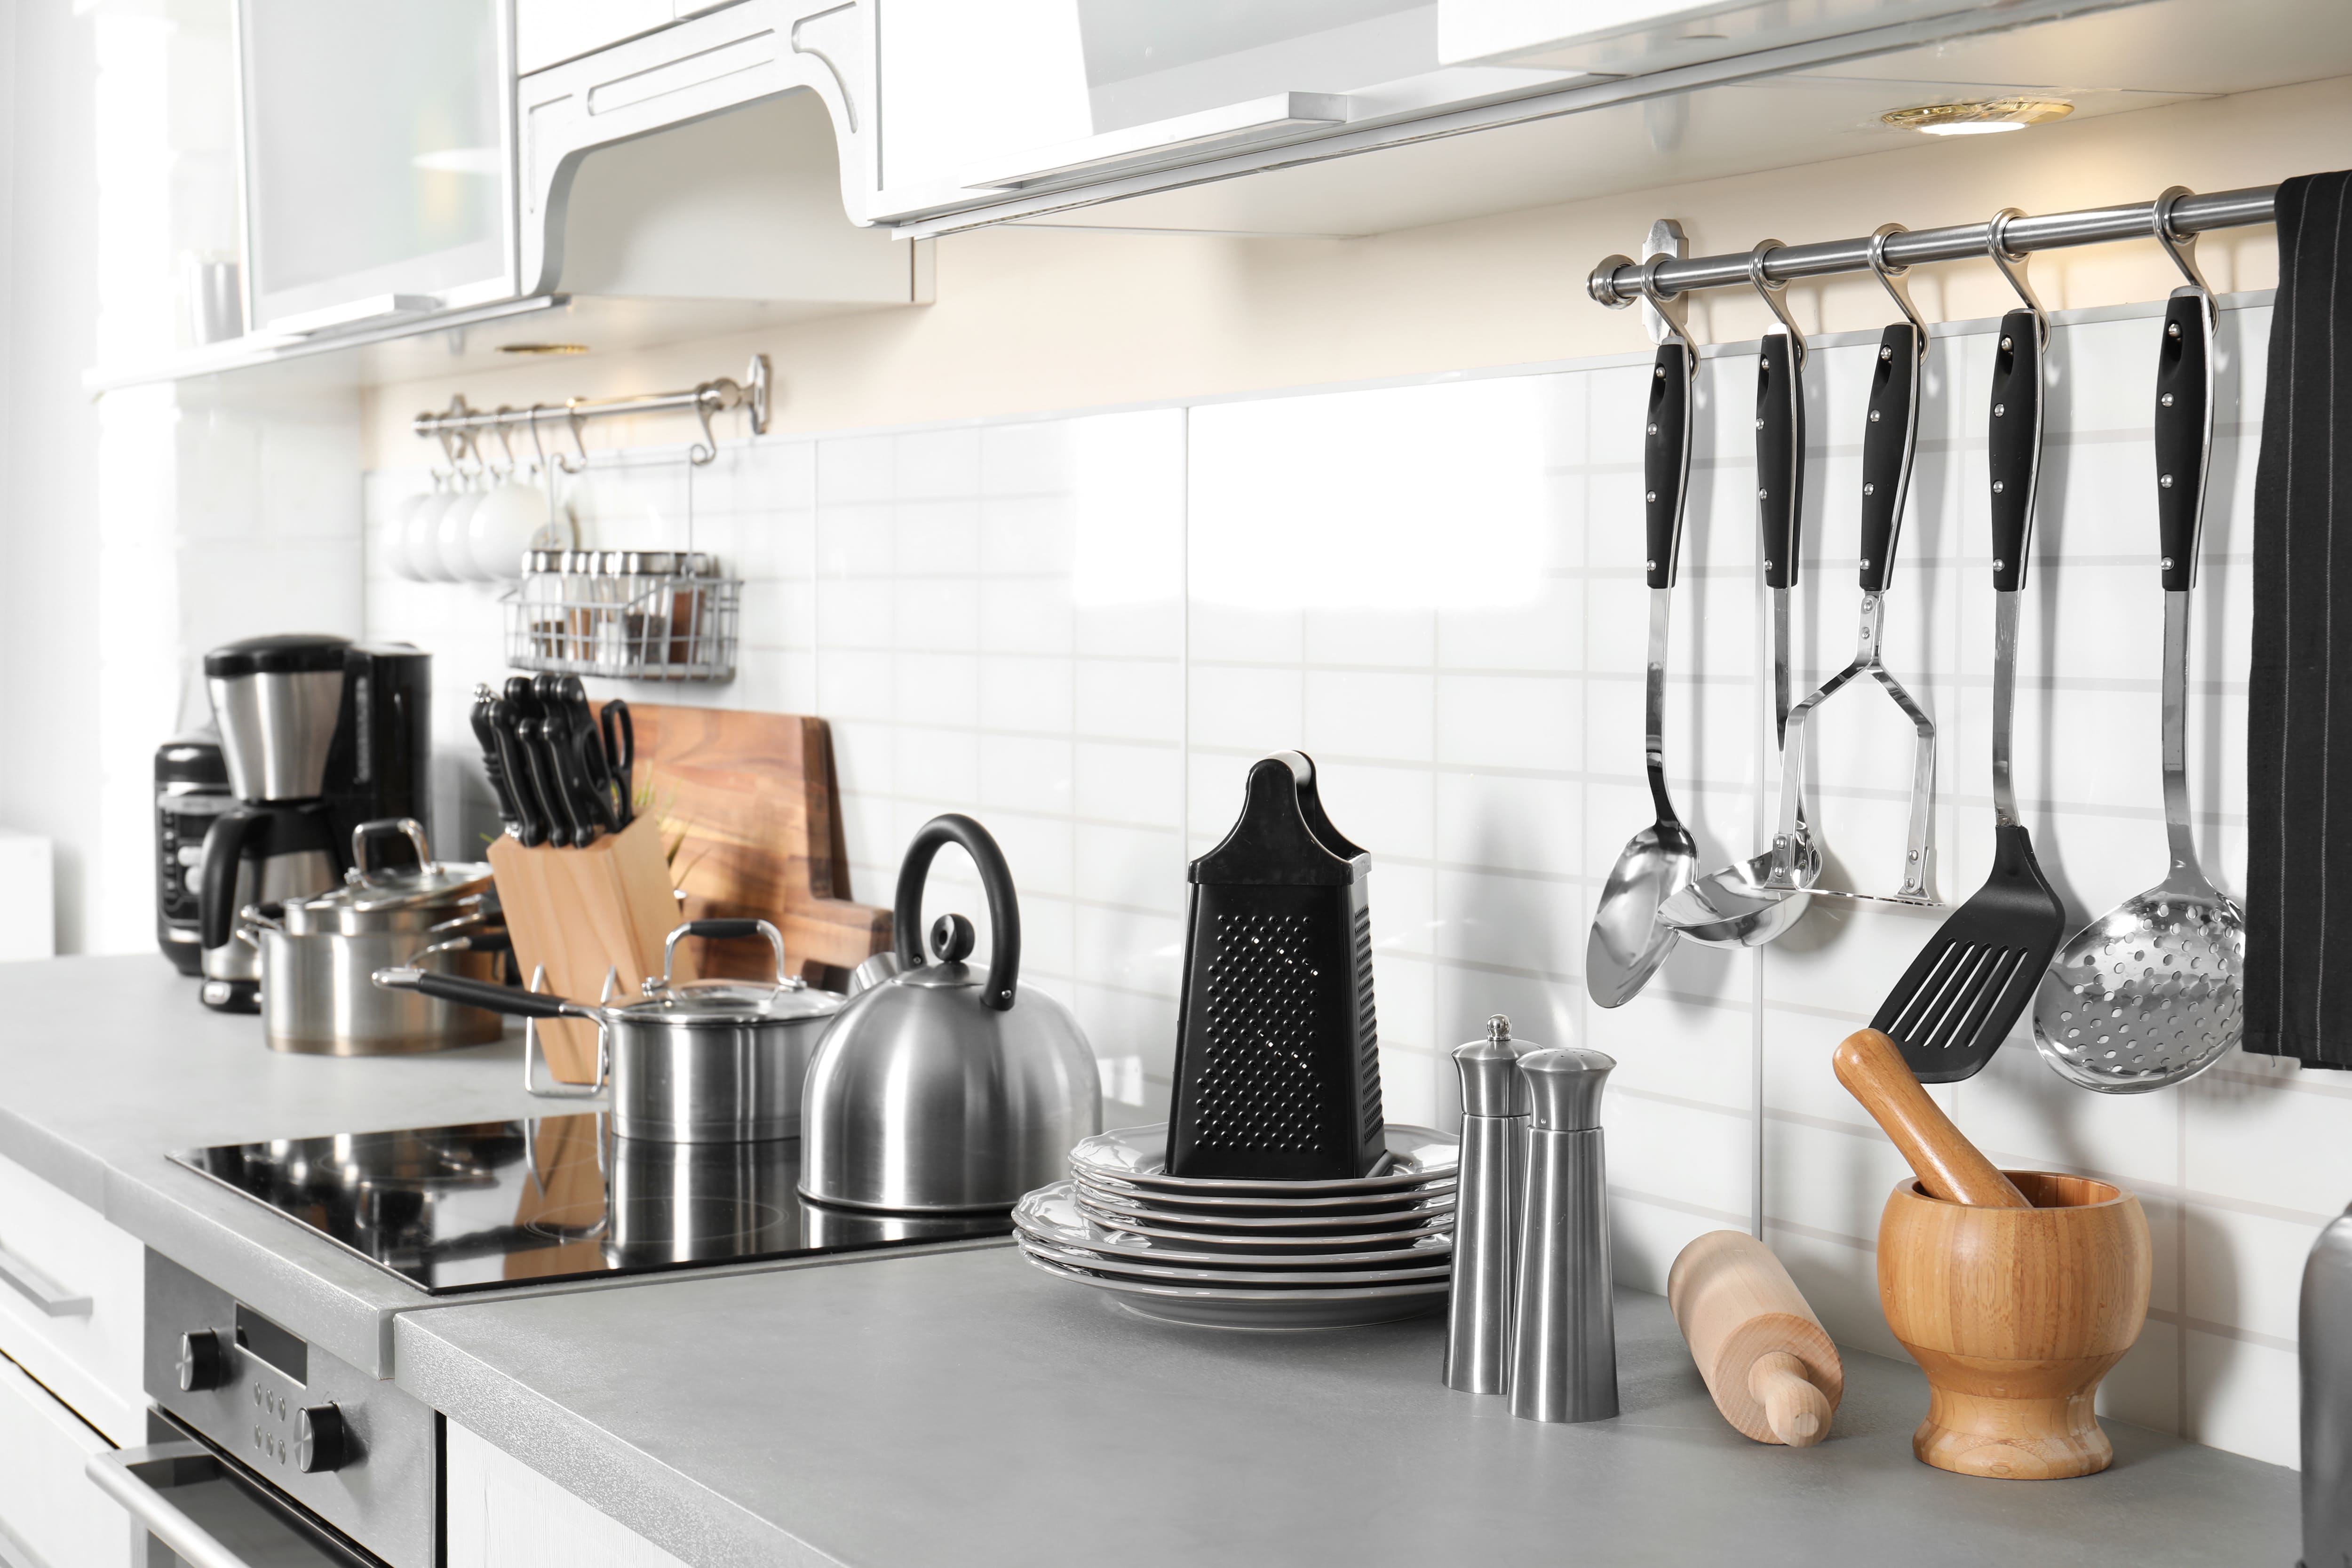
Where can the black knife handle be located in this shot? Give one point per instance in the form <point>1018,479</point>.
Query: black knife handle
<point>1665,459</point>
<point>1888,441</point>
<point>540,760</point>
<point>531,817</point>
<point>1779,456</point>
<point>2184,436</point>
<point>2013,445</point>
<point>487,736</point>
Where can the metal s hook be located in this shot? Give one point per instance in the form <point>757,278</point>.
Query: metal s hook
<point>1776,297</point>
<point>1669,312</point>
<point>575,418</point>
<point>504,418</point>
<point>537,445</point>
<point>2012,268</point>
<point>1891,279</point>
<point>2182,249</point>
<point>709,398</point>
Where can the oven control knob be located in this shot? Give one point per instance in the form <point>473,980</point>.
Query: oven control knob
<point>201,1365</point>
<point>321,1443</point>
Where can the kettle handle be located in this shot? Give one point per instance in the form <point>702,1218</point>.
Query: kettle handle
<point>1003,906</point>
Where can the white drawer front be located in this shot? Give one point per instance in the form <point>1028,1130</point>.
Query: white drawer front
<point>72,1302</point>
<point>51,1510</point>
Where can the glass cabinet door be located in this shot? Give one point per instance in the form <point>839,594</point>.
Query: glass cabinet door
<point>379,158</point>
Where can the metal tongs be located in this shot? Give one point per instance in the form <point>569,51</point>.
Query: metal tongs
<point>1888,444</point>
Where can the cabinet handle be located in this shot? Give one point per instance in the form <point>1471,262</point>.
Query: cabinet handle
<point>53,1298</point>
<point>116,1472</point>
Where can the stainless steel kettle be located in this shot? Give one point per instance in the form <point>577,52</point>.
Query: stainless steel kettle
<point>941,1090</point>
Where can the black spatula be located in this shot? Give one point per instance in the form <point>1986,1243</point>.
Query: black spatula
<point>1977,974</point>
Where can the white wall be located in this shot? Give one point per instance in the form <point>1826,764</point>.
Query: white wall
<point>1083,629</point>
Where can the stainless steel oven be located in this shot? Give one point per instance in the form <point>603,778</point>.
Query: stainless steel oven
<point>269,1452</point>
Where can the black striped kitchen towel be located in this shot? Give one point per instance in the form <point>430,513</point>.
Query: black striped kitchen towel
<point>2298,732</point>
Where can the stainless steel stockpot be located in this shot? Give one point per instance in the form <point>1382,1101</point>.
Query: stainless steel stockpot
<point>709,1061</point>
<point>318,952</point>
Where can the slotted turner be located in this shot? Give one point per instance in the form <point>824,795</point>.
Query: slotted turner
<point>1977,975</point>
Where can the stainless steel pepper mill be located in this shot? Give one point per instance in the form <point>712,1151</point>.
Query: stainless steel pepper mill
<point>1564,1333</point>
<point>1486,1213</point>
<point>2323,1337</point>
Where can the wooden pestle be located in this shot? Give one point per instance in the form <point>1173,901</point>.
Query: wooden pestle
<point>1767,1360</point>
<point>1949,1166</point>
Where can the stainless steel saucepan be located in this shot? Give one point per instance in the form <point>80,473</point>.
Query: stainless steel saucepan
<point>710,1061</point>
<point>318,952</point>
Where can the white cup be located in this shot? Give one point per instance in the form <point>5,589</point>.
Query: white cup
<point>510,520</point>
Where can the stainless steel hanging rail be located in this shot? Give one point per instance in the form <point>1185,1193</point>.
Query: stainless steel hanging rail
<point>1618,279</point>
<point>467,426</point>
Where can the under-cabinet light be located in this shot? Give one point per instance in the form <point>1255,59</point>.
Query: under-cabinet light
<point>1979,117</point>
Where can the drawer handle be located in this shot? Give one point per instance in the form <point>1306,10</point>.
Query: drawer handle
<point>116,1472</point>
<point>37,1287</point>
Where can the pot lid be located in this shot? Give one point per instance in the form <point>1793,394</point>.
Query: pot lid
<point>728,1002</point>
<point>379,892</point>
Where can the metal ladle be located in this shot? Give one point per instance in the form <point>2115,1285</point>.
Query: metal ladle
<point>1736,907</point>
<point>1628,942</point>
<point>2149,992</point>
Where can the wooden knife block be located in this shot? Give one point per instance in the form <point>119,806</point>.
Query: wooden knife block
<point>583,913</point>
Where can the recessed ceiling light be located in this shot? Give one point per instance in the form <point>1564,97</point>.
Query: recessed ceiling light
<point>1979,117</point>
<point>542,348</point>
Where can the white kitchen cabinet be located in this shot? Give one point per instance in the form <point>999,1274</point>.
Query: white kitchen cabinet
<point>504,1515</point>
<point>379,158</point>
<point>548,32</point>
<point>72,1302</point>
<point>51,1516</point>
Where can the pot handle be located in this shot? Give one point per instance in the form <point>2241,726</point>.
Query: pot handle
<point>483,994</point>
<point>1003,904</point>
<point>725,929</point>
<point>407,827</point>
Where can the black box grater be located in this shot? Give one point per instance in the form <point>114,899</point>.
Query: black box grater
<point>1277,1049</point>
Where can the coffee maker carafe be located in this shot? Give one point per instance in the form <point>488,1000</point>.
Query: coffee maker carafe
<point>317,736</point>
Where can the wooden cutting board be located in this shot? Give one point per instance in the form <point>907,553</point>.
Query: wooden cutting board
<point>751,816</point>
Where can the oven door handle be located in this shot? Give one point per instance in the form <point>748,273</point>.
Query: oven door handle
<point>116,1471</point>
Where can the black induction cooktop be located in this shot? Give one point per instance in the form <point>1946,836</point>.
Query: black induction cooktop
<point>498,1205</point>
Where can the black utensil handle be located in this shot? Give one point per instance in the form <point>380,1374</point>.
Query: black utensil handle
<point>494,767</point>
<point>512,1000</point>
<point>530,820</point>
<point>1004,903</point>
<point>1888,441</point>
<point>539,758</point>
<point>1665,459</point>
<point>225,846</point>
<point>2184,434</point>
<point>731,928</point>
<point>1779,456</point>
<point>620,732</point>
<point>2013,445</point>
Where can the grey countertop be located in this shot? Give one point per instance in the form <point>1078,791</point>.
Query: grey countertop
<point>890,1411</point>
<point>965,1408</point>
<point>107,1064</point>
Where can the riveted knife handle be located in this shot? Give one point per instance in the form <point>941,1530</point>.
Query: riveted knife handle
<point>1779,456</point>
<point>2013,445</point>
<point>2184,436</point>
<point>1888,441</point>
<point>1665,457</point>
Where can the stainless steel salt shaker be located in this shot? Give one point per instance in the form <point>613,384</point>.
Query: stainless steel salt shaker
<point>1564,1333</point>
<point>1486,1213</point>
<point>2325,1338</point>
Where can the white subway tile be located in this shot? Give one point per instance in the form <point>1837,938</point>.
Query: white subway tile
<point>1137,784</point>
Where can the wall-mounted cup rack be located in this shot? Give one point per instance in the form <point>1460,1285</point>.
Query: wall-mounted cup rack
<point>459,423</point>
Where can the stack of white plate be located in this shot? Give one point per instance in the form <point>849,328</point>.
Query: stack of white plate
<point>1249,1254</point>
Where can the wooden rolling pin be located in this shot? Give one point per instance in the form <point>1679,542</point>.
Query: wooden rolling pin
<point>1766,1358</point>
<point>1949,1167</point>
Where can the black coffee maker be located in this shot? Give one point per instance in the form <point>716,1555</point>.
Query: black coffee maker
<point>191,793</point>
<point>319,736</point>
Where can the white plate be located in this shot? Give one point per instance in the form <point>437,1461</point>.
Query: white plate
<point>1303,1308</point>
<point>1138,1155</point>
<point>1230,1279</point>
<point>1050,1214</point>
<point>1241,1205</point>
<point>1409,1212</point>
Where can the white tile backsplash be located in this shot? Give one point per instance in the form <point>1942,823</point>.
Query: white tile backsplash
<point>1085,629</point>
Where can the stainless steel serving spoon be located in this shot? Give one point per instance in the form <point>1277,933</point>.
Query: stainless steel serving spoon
<point>2149,992</point>
<point>1628,942</point>
<point>1734,907</point>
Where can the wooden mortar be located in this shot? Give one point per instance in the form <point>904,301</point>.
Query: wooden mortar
<point>2015,1314</point>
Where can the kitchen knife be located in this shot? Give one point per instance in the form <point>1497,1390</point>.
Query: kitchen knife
<point>540,758</point>
<point>530,820</point>
<point>589,814</point>
<point>493,764</point>
<point>586,744</point>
